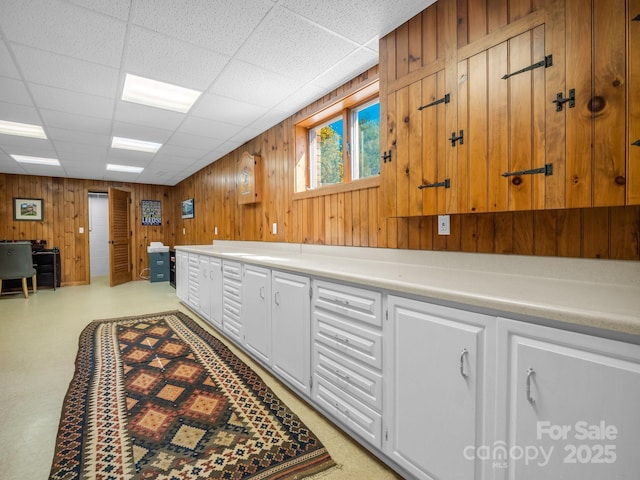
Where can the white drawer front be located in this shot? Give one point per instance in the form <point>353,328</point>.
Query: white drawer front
<point>353,378</point>
<point>349,339</point>
<point>232,270</point>
<point>350,302</point>
<point>231,309</point>
<point>360,418</point>
<point>232,289</point>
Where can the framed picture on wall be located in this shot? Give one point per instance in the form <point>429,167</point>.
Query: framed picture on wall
<point>30,209</point>
<point>151,212</point>
<point>187,208</point>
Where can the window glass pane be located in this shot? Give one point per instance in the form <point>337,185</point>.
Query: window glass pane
<point>325,156</point>
<point>366,140</point>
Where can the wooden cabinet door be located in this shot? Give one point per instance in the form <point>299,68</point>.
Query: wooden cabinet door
<point>290,328</point>
<point>573,396</point>
<point>437,382</point>
<point>633,106</point>
<point>256,311</point>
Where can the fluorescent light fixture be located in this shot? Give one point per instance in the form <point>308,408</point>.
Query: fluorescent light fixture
<point>36,160</point>
<point>137,145</point>
<point>22,129</point>
<point>124,168</point>
<point>158,94</point>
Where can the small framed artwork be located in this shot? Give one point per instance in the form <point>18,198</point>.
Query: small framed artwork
<point>28,209</point>
<point>151,212</point>
<point>187,208</point>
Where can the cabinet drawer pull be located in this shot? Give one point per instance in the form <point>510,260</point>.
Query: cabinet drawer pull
<point>463,354</point>
<point>340,338</point>
<point>342,409</point>
<point>262,292</point>
<point>530,372</point>
<point>276,298</point>
<point>342,375</point>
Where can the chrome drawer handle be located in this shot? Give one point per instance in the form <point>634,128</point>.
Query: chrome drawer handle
<point>463,354</point>
<point>262,292</point>
<point>342,375</point>
<point>530,372</point>
<point>340,338</point>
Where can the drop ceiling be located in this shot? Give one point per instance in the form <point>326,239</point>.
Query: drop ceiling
<point>257,62</point>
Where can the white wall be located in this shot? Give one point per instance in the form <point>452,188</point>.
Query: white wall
<point>99,233</point>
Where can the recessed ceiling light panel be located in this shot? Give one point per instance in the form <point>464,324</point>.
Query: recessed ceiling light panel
<point>36,160</point>
<point>22,129</point>
<point>158,94</point>
<point>124,168</point>
<point>137,145</point>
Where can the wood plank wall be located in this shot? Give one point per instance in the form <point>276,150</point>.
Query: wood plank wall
<point>65,203</point>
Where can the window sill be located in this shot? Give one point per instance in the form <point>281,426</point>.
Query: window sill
<point>370,182</point>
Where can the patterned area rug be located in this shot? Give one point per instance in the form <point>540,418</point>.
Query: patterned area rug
<point>157,397</point>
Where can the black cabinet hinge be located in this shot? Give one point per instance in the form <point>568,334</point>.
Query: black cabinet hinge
<point>546,63</point>
<point>386,157</point>
<point>445,99</point>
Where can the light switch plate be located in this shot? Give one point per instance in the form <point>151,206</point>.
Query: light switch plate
<point>444,225</point>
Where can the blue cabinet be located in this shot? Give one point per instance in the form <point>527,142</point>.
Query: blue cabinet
<point>159,266</point>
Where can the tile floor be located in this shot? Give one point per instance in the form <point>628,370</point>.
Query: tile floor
<point>38,345</point>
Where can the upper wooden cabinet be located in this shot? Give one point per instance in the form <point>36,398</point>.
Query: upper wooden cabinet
<point>510,105</point>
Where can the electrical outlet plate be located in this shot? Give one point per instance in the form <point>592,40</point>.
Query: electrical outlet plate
<point>274,228</point>
<point>444,225</point>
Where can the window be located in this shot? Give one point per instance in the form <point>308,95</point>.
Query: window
<point>340,144</point>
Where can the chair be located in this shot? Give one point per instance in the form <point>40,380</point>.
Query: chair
<point>16,262</point>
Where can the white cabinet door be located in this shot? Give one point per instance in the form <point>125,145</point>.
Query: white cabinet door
<point>204,287</point>
<point>194,281</point>
<point>232,299</point>
<point>572,404</point>
<point>436,371</point>
<point>182,276</point>
<point>256,311</point>
<point>215,291</point>
<point>290,329</point>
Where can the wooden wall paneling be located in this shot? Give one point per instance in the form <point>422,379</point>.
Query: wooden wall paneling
<point>624,233</point>
<point>348,218</point>
<point>545,233</point>
<point>519,9</point>
<point>374,216</point>
<point>523,233</point>
<point>430,41</point>
<point>520,122</point>
<point>469,232</point>
<point>609,102</point>
<point>413,233</point>
<point>477,137</point>
<point>595,233</point>
<point>402,225</point>
<point>415,151</point>
<point>497,128</point>
<point>579,153</point>
<point>568,229</point>
<point>340,222</point>
<point>387,114</point>
<point>633,104</point>
<point>364,218</point>
<point>486,233</point>
<point>504,234</point>
<point>462,10</point>
<point>454,240</point>
<point>426,232</point>
<point>356,224</point>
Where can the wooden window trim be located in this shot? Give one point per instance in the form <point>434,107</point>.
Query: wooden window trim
<point>360,184</point>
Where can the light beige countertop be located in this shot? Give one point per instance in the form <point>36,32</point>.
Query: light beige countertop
<point>603,294</point>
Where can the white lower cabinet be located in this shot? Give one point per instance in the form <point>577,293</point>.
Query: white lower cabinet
<point>232,299</point>
<point>213,285</point>
<point>182,275</point>
<point>290,329</point>
<point>193,294</point>
<point>571,403</point>
<point>437,388</point>
<point>256,311</point>
<point>346,364</point>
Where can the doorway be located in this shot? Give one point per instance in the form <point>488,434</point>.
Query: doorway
<point>98,234</point>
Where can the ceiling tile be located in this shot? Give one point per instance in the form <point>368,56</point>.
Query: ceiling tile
<point>141,132</point>
<point>7,66</point>
<point>252,84</point>
<point>71,102</point>
<point>128,112</point>
<point>55,70</point>
<point>70,121</point>
<point>196,141</point>
<point>201,22</point>
<point>169,60</point>
<point>64,28</point>
<point>19,113</point>
<point>181,151</point>
<point>14,91</point>
<point>59,135</point>
<point>208,128</point>
<point>75,151</point>
<point>290,44</point>
<point>114,8</point>
<point>342,71</point>
<point>225,109</point>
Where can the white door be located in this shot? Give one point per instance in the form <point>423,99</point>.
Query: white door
<point>573,407</point>
<point>256,311</point>
<point>99,234</point>
<point>290,312</point>
<point>215,291</point>
<point>436,363</point>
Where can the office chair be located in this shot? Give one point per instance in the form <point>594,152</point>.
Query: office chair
<point>16,262</point>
